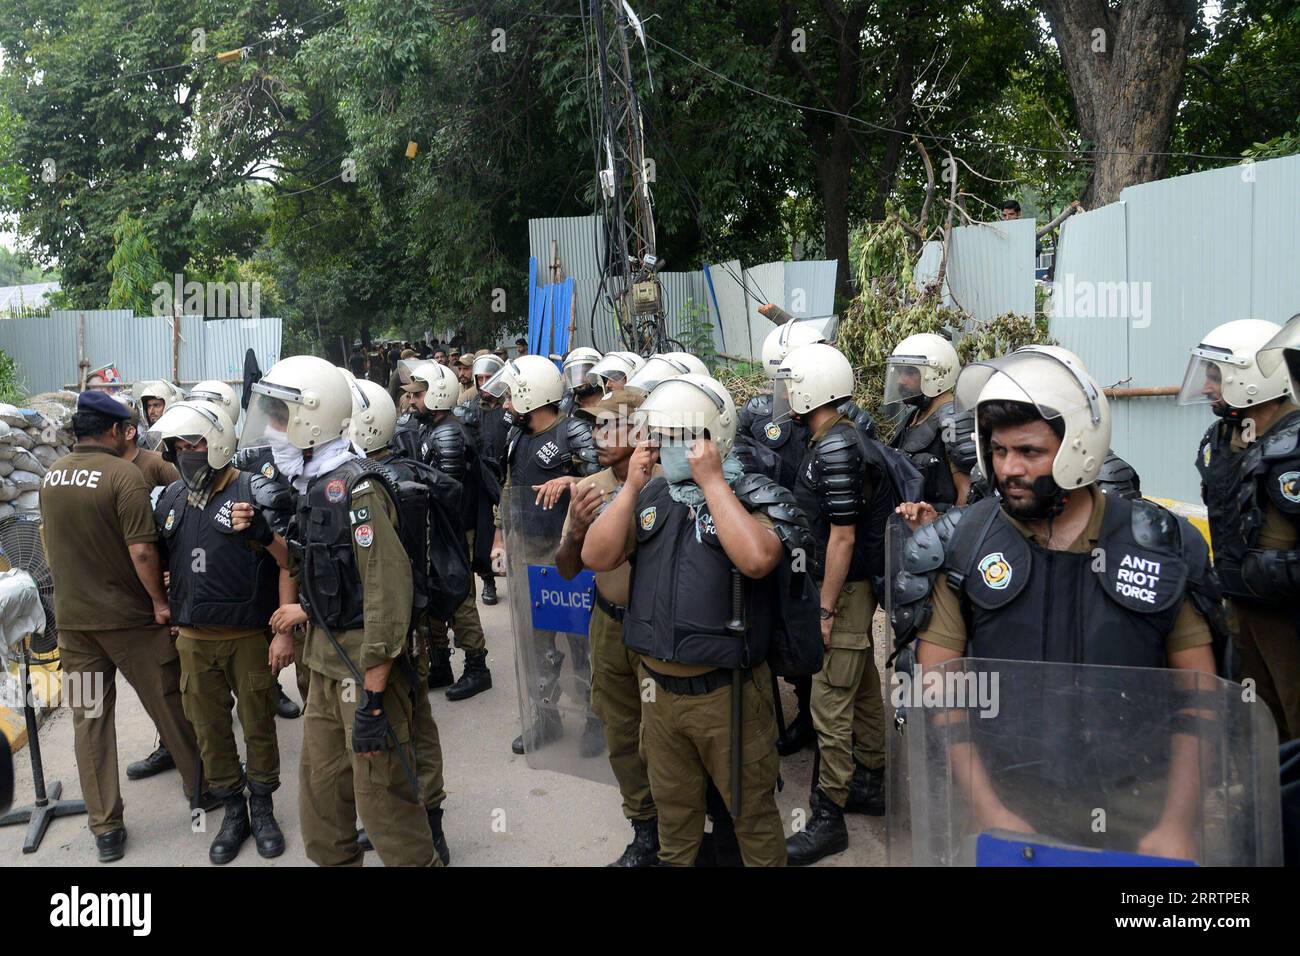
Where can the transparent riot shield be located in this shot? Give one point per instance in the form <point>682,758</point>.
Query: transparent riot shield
<point>1013,763</point>
<point>550,617</point>
<point>898,830</point>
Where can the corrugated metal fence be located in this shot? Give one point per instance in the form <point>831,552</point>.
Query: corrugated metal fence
<point>1140,281</point>
<point>726,296</point>
<point>45,348</point>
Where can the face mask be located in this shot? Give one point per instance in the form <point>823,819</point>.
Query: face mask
<point>288,459</point>
<point>194,468</point>
<point>672,458</point>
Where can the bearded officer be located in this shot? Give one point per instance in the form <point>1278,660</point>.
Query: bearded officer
<point>1250,481</point>
<point>374,417</point>
<point>615,669</point>
<point>1045,572</point>
<point>442,443</point>
<point>485,425</point>
<point>920,374</point>
<point>547,452</point>
<point>355,579</point>
<point>834,489</point>
<point>693,535</point>
<point>224,589</point>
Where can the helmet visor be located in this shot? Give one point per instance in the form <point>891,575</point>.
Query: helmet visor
<point>269,413</point>
<point>670,411</point>
<point>487,365</point>
<point>575,373</point>
<point>1203,383</point>
<point>609,373</point>
<point>902,378</point>
<point>499,384</point>
<point>658,368</point>
<point>1285,346</point>
<point>1053,387</point>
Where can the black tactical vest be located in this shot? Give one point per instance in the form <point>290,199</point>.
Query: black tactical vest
<point>322,540</point>
<point>923,444</point>
<point>217,578</point>
<point>535,460</point>
<point>1269,473</point>
<point>815,481</point>
<point>1110,607</point>
<point>1220,466</point>
<point>681,589</point>
<point>259,461</point>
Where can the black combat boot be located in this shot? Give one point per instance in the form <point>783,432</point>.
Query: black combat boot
<point>266,832</point>
<point>155,763</point>
<point>644,848</point>
<point>363,841</point>
<point>235,829</point>
<point>546,729</point>
<point>440,674</point>
<point>286,708</point>
<point>111,846</point>
<point>866,791</point>
<point>824,836</point>
<point>799,734</point>
<point>475,679</point>
<point>490,590</point>
<point>593,738</point>
<point>439,839</point>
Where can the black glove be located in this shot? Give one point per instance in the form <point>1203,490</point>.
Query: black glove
<point>369,730</point>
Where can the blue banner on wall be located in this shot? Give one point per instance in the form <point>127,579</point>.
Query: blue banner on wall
<point>560,605</point>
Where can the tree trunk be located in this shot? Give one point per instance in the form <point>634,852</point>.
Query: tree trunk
<point>833,168</point>
<point>1125,67</point>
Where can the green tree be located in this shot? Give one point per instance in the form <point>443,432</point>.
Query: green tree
<point>134,267</point>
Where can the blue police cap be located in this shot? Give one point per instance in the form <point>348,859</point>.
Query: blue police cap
<point>93,400</point>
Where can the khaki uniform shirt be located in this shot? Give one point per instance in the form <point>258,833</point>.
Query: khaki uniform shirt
<point>385,573</point>
<point>614,586</point>
<point>156,471</point>
<point>947,628</point>
<point>94,504</point>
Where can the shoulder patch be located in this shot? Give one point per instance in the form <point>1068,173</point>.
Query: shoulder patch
<point>773,431</point>
<point>1289,486</point>
<point>336,490</point>
<point>648,517</point>
<point>171,520</point>
<point>360,515</point>
<point>364,535</point>
<point>996,571</point>
<point>363,486</point>
<point>268,470</point>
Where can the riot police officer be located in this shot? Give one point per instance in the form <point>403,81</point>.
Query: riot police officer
<point>484,418</point>
<point>219,394</point>
<point>1250,482</point>
<point>224,589</point>
<point>775,448</point>
<point>374,418</point>
<point>834,491</point>
<point>548,452</point>
<point>355,579</point>
<point>614,369</point>
<point>434,390</point>
<point>920,373</point>
<point>152,397</point>
<point>1052,570</point>
<point>699,537</point>
<point>579,393</point>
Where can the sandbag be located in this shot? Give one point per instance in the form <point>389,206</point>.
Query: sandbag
<point>10,415</point>
<point>25,481</point>
<point>6,510</point>
<point>6,468</point>
<point>8,491</point>
<point>28,501</point>
<point>46,454</point>
<point>22,439</point>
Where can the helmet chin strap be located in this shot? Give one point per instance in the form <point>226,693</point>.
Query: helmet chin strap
<point>1227,412</point>
<point>916,401</point>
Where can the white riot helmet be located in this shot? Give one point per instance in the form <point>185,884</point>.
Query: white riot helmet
<point>614,369</point>
<point>1063,393</point>
<point>487,365</point>
<point>165,392</point>
<point>1283,350</point>
<point>533,382</point>
<point>809,377</point>
<point>577,364</point>
<point>439,383</point>
<point>783,340</point>
<point>694,364</point>
<point>920,367</point>
<point>1223,371</point>
<point>193,422</point>
<point>301,400</point>
<point>681,409</point>
<point>219,394</point>
<point>374,416</point>
<point>658,368</point>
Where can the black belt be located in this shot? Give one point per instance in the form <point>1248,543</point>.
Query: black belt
<point>616,611</point>
<point>705,683</point>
